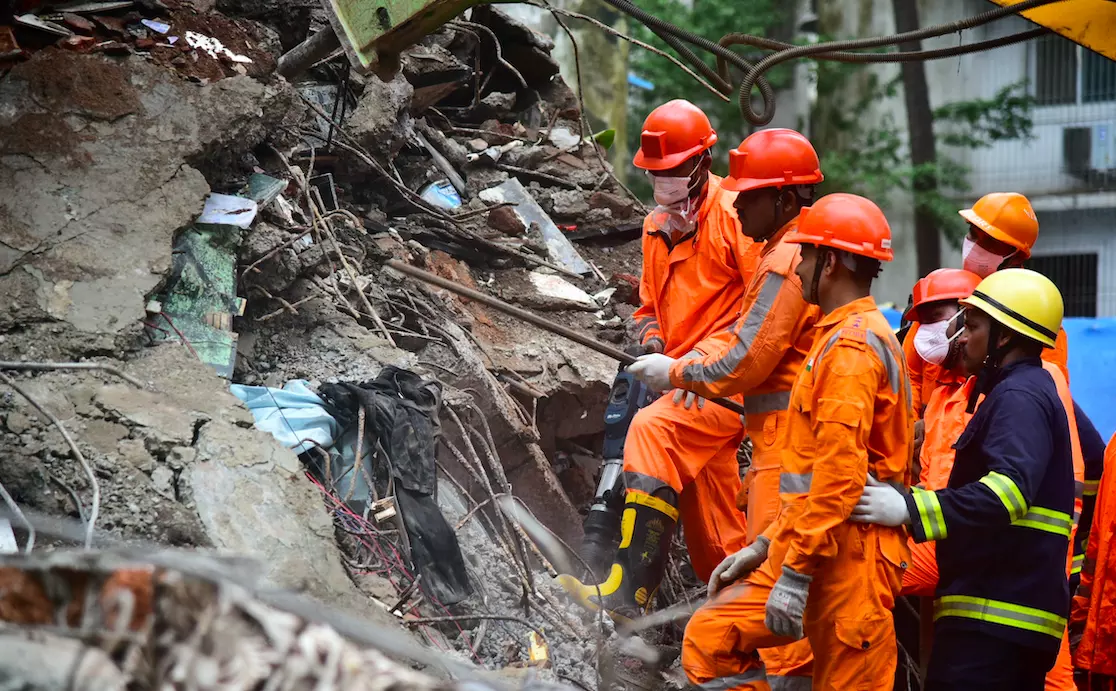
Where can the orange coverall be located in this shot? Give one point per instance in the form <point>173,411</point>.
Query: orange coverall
<point>759,357</point>
<point>690,290</point>
<point>946,418</point>
<point>1094,605</point>
<point>850,414</point>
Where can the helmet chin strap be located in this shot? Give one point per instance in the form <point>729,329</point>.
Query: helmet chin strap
<point>991,365</point>
<point>818,266</point>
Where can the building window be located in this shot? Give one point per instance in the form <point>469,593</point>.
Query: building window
<point>1066,73</point>
<point>1076,277</point>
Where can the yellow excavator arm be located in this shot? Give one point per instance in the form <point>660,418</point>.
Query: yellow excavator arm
<point>1089,23</point>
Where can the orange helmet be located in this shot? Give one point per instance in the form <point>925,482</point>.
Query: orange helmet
<point>672,134</point>
<point>772,158</point>
<point>941,284</point>
<point>846,222</point>
<point>1006,216</point>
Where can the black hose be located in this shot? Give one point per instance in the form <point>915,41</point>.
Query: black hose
<point>820,49</point>
<point>660,27</point>
<point>833,50</point>
<point>905,56</point>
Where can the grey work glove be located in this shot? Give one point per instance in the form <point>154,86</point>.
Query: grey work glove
<point>787,603</point>
<point>739,565</point>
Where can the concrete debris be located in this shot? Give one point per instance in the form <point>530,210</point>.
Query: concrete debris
<point>562,292</point>
<point>182,215</point>
<point>382,121</point>
<point>560,249</point>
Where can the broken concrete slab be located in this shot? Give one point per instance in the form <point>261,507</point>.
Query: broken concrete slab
<point>92,161</point>
<point>558,293</point>
<point>569,204</point>
<point>382,121</point>
<point>212,479</point>
<point>560,249</point>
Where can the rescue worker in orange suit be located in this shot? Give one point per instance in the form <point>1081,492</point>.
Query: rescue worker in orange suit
<point>933,307</point>
<point>1004,521</point>
<point>946,416</point>
<point>775,171</point>
<point>679,454</point>
<point>1093,613</point>
<point>1092,453</point>
<point>849,415</point>
<point>1003,229</point>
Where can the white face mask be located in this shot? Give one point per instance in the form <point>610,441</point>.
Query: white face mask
<point>670,191</point>
<point>677,220</point>
<point>931,342</point>
<point>980,261</point>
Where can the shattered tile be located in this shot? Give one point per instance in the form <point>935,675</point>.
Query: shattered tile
<point>78,23</point>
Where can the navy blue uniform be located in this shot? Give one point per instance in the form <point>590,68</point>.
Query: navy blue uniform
<point>1003,525</point>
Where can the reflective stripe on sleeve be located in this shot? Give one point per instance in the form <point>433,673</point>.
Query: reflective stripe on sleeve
<point>795,483</point>
<point>930,514</point>
<point>1007,492</point>
<point>1046,520</point>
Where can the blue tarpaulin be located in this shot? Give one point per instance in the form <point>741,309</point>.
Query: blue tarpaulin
<point>1092,361</point>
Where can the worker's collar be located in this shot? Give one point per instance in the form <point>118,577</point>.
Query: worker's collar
<point>772,242</point>
<point>1000,373</point>
<point>864,304</point>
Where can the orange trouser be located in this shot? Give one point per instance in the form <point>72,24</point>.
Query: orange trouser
<point>692,452</point>
<point>922,579</point>
<point>789,667</point>
<point>847,621</point>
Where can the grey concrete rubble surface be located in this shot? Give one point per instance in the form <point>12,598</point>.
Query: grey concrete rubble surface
<point>94,164</point>
<point>104,162</point>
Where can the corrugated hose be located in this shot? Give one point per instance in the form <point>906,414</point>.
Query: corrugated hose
<point>839,51</point>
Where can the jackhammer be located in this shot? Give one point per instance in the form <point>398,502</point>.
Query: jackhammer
<point>602,524</point>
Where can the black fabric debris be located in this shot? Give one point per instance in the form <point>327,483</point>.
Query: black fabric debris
<point>401,415</point>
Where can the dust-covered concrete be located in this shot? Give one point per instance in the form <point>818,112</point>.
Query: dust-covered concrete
<point>95,161</point>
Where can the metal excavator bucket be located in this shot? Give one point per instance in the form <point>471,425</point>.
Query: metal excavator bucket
<point>372,33</point>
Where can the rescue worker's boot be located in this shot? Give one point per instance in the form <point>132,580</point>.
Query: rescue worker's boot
<point>629,590</point>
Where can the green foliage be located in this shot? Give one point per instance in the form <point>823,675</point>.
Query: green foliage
<point>874,161</point>
<point>710,19</point>
<point>605,138</point>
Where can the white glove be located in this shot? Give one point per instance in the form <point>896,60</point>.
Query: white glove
<point>881,504</point>
<point>653,370</point>
<point>687,399</point>
<point>739,565</point>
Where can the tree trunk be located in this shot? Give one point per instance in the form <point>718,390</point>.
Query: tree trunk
<point>920,126</point>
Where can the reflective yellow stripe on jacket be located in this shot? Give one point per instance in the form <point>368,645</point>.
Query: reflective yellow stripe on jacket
<point>1003,613</point>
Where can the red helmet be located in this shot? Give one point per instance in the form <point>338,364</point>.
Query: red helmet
<point>772,158</point>
<point>941,284</point>
<point>672,134</point>
<point>846,222</point>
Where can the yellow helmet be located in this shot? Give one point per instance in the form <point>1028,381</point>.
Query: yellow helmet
<point>1024,301</point>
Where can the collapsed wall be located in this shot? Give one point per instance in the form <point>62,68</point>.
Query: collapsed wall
<point>108,161</point>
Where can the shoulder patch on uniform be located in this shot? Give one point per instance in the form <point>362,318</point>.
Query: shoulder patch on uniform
<point>852,333</point>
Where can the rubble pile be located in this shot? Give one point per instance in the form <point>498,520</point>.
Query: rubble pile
<point>180,218</point>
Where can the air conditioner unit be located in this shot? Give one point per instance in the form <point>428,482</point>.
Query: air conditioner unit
<point>1089,152</point>
<point>1103,154</point>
